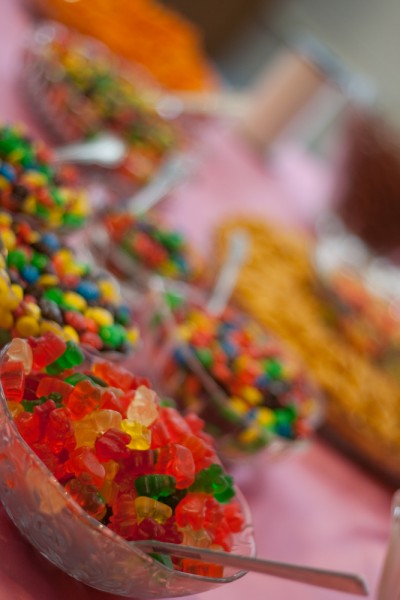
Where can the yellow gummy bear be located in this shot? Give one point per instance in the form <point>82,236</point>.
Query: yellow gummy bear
<point>148,508</point>
<point>141,436</point>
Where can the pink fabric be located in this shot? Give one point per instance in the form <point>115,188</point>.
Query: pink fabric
<point>229,180</point>
<point>314,508</point>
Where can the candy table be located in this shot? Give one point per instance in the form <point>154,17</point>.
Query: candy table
<point>314,508</point>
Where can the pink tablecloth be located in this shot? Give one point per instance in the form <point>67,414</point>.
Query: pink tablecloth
<point>315,508</point>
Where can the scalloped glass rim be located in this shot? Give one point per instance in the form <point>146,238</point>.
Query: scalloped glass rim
<point>67,126</point>
<point>48,30</point>
<point>199,582</point>
<point>39,70</point>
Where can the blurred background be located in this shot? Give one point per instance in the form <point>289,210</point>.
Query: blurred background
<point>243,35</point>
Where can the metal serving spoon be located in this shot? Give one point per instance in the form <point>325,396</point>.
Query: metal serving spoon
<point>334,580</point>
<point>238,245</point>
<point>105,150</point>
<point>108,151</point>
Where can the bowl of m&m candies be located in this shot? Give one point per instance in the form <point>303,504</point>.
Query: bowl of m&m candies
<point>49,289</point>
<point>80,89</point>
<point>33,185</point>
<point>93,461</point>
<point>252,393</point>
<point>138,247</point>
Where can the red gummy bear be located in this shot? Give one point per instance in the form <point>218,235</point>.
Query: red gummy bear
<point>88,497</point>
<point>114,375</point>
<point>234,517</point>
<point>203,454</point>
<point>171,427</point>
<point>177,460</point>
<point>46,349</point>
<point>43,412</point>
<point>123,520</point>
<point>13,380</point>
<point>51,385</point>
<point>59,431</point>
<point>85,465</point>
<point>112,445</point>
<point>84,399</point>
<point>191,511</point>
<point>29,427</point>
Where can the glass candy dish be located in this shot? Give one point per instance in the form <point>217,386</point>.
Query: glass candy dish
<point>291,406</point>
<point>80,89</point>
<point>87,550</point>
<point>45,287</point>
<point>359,294</point>
<point>136,248</point>
<point>358,300</point>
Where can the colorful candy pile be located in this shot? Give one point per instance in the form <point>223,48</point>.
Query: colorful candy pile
<point>239,379</point>
<point>52,291</point>
<point>84,90</point>
<point>137,30</point>
<point>368,323</point>
<point>276,287</point>
<point>131,462</point>
<point>30,184</point>
<point>153,246</point>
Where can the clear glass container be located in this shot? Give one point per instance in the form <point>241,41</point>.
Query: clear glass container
<point>158,359</point>
<point>76,110</point>
<point>116,252</point>
<point>359,294</point>
<point>67,536</point>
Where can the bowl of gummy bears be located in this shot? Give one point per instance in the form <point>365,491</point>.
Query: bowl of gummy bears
<point>93,462</point>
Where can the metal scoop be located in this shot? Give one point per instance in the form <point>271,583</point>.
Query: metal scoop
<point>105,150</point>
<point>238,245</point>
<point>334,580</point>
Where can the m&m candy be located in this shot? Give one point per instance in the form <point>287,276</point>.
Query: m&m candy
<point>150,247</point>
<point>50,290</point>
<point>368,322</point>
<point>31,184</point>
<point>84,89</point>
<point>242,381</point>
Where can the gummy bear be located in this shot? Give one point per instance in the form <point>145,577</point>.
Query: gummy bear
<point>177,460</point>
<point>88,497</point>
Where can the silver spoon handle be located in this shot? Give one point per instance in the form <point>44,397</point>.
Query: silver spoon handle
<point>174,172</point>
<point>227,278</point>
<point>231,105</point>
<point>106,150</point>
<point>334,580</point>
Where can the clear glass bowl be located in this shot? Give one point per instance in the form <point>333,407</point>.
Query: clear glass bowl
<point>68,537</point>
<point>73,107</point>
<point>158,360</point>
<point>359,295</point>
<point>131,270</point>
<point>71,271</point>
<point>48,195</point>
